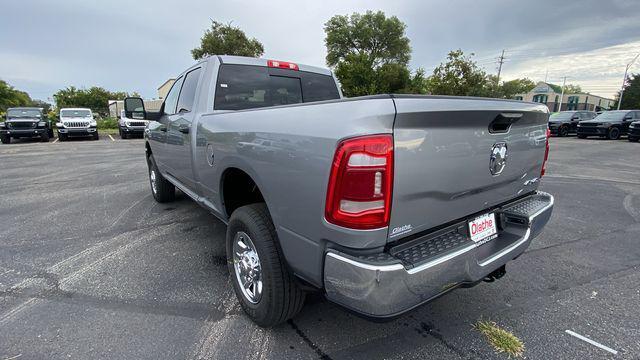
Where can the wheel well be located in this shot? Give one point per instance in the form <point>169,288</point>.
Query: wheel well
<point>147,148</point>
<point>239,189</point>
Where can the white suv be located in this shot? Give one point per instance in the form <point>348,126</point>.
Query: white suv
<point>76,122</point>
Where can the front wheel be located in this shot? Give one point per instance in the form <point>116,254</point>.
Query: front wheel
<point>563,131</point>
<point>96,136</point>
<point>265,288</point>
<point>613,134</point>
<point>162,190</point>
<point>5,139</point>
<point>632,139</point>
<point>582,136</point>
<point>44,137</point>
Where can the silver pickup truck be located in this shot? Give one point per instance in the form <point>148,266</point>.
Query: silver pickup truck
<point>381,202</point>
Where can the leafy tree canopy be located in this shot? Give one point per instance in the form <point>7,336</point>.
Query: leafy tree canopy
<point>223,39</point>
<point>459,76</point>
<point>10,97</point>
<point>370,54</point>
<point>631,95</point>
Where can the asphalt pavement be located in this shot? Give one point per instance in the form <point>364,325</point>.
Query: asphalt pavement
<point>92,267</point>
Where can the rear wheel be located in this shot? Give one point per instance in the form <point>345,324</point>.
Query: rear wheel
<point>162,190</point>
<point>6,139</point>
<point>267,291</point>
<point>563,131</point>
<point>613,134</point>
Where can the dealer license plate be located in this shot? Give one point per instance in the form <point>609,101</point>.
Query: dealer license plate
<point>483,228</point>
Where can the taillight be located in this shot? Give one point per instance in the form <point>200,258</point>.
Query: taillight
<point>282,65</point>
<point>546,154</point>
<point>360,185</point>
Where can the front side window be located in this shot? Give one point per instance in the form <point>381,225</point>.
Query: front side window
<point>188,93</point>
<point>242,87</point>
<point>540,98</point>
<point>171,100</point>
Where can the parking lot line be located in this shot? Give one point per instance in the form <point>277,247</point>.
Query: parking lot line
<point>112,139</point>
<point>55,141</point>
<point>594,343</point>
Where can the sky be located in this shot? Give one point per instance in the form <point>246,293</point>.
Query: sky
<point>136,45</point>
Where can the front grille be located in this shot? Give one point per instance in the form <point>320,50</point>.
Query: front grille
<point>592,130</point>
<point>137,123</point>
<point>73,124</point>
<point>22,125</point>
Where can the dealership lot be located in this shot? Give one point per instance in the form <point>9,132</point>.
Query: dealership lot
<point>92,266</point>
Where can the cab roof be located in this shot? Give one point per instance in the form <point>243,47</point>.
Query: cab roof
<point>243,60</point>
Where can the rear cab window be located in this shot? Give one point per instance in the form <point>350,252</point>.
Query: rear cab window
<point>241,87</point>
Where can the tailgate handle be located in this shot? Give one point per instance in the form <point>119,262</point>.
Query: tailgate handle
<point>502,123</point>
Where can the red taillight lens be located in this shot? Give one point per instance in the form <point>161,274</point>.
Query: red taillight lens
<point>360,185</point>
<point>546,155</point>
<point>282,65</point>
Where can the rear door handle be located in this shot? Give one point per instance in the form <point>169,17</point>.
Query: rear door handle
<point>184,129</point>
<point>163,129</point>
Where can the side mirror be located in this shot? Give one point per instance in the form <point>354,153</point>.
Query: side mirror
<point>627,117</point>
<point>134,108</point>
<point>575,117</point>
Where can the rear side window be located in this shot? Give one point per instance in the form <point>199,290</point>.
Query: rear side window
<point>242,87</point>
<point>188,93</point>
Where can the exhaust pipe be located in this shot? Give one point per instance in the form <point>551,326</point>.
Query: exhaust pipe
<point>496,274</point>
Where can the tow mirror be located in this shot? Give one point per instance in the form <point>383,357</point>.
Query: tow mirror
<point>134,108</point>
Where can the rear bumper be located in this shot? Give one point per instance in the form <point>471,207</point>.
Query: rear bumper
<point>380,287</point>
<point>23,132</point>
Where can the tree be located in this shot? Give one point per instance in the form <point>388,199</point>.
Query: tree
<point>223,39</point>
<point>370,54</point>
<point>631,95</point>
<point>516,86</point>
<point>94,98</point>
<point>460,76</point>
<point>10,97</point>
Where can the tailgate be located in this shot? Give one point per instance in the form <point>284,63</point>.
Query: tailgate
<point>442,157</point>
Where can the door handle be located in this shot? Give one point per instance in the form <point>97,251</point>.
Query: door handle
<point>163,129</point>
<point>184,129</point>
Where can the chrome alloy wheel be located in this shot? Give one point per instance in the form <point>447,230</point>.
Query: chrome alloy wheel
<point>152,179</point>
<point>246,264</point>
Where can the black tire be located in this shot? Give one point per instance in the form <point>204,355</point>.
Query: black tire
<point>62,137</point>
<point>582,136</point>
<point>50,132</point>
<point>281,297</point>
<point>163,191</point>
<point>44,137</point>
<point>5,139</point>
<point>613,133</point>
<point>632,139</point>
<point>123,135</point>
<point>96,136</point>
<point>563,131</point>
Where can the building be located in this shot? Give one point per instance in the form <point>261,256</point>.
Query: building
<point>549,94</point>
<point>163,90</point>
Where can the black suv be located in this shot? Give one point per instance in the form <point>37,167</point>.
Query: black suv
<point>565,122</point>
<point>609,124</point>
<point>634,131</point>
<point>25,122</point>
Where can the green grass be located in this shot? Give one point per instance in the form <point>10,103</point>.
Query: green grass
<point>107,123</point>
<point>108,131</point>
<point>500,339</point>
